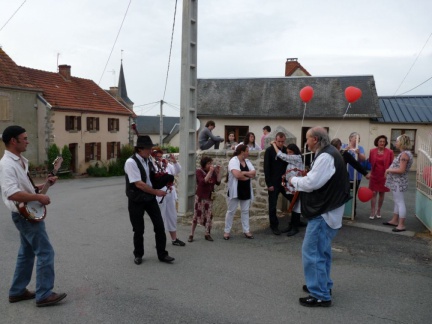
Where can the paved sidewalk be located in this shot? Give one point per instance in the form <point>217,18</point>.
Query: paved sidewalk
<point>413,225</point>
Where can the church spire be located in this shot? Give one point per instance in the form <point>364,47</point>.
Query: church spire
<point>122,92</point>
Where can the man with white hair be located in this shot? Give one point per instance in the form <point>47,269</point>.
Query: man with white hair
<point>323,194</point>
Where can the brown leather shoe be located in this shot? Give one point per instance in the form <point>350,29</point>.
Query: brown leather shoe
<point>208,237</point>
<point>25,296</point>
<point>53,299</point>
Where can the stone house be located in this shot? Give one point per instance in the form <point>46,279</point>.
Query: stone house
<point>56,107</point>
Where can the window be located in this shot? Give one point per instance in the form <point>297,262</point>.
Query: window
<point>113,125</point>
<point>92,152</point>
<point>240,133</point>
<point>92,124</point>
<point>73,123</point>
<point>395,133</point>
<point>113,150</point>
<point>4,108</point>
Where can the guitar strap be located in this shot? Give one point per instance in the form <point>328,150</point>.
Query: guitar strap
<point>31,180</point>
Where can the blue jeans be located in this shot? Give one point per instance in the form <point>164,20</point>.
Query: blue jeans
<point>316,254</point>
<point>34,243</point>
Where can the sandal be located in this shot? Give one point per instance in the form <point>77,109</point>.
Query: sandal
<point>190,239</point>
<point>250,236</point>
<point>226,236</point>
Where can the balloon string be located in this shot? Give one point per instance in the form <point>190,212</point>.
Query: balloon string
<point>304,111</point>
<point>343,117</point>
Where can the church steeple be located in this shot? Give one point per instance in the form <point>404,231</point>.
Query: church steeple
<point>122,92</point>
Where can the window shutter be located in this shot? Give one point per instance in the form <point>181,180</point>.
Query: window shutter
<point>87,152</point>
<point>109,147</point>
<point>99,151</point>
<point>88,123</point>
<point>79,123</point>
<point>97,123</point>
<point>67,124</point>
<point>117,127</point>
<point>118,150</point>
<point>109,124</point>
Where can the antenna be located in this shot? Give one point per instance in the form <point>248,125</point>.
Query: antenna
<point>58,55</point>
<point>121,56</point>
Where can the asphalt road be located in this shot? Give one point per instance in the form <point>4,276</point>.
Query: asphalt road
<point>379,277</point>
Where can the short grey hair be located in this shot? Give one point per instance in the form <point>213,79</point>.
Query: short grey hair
<point>321,134</point>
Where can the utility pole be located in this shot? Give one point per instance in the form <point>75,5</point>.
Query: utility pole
<point>161,124</point>
<point>188,106</point>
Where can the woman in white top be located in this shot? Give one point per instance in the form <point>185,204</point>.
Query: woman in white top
<point>294,159</point>
<point>249,141</point>
<point>167,206</point>
<point>240,173</point>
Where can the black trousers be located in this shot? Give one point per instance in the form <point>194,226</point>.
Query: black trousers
<point>272,203</point>
<point>136,215</point>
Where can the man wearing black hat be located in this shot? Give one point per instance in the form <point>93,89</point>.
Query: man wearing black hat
<point>142,198</point>
<point>17,187</point>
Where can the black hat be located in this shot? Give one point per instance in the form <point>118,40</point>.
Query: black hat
<point>144,142</point>
<point>11,132</point>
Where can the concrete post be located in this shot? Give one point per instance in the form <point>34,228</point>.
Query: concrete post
<point>188,103</point>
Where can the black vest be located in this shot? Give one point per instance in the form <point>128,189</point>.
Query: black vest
<point>131,187</point>
<point>335,193</point>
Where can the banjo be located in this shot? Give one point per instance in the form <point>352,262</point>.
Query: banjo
<point>34,211</point>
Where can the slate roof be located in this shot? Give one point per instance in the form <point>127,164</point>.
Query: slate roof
<point>73,94</point>
<point>406,109</point>
<point>150,124</point>
<point>279,97</point>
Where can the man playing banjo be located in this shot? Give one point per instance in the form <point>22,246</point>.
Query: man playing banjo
<point>17,187</point>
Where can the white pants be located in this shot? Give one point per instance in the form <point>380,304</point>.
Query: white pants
<point>169,212</point>
<point>399,203</point>
<point>232,207</point>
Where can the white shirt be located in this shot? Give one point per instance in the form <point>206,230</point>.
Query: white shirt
<point>13,178</point>
<point>133,172</point>
<point>234,164</point>
<point>322,170</point>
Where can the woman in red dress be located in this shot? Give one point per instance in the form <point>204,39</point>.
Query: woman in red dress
<point>380,159</point>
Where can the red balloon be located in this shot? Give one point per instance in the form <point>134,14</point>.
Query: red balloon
<point>352,94</point>
<point>427,175</point>
<point>306,94</point>
<point>364,194</point>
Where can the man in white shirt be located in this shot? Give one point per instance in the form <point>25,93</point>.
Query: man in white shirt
<point>17,187</point>
<point>323,194</point>
<point>142,198</point>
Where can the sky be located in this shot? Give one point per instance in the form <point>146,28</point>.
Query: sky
<point>389,39</point>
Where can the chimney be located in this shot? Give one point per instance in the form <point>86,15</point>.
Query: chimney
<point>113,91</point>
<point>65,71</point>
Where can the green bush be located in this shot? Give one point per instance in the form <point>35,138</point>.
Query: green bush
<point>171,149</point>
<point>53,153</point>
<point>115,168</point>
<point>67,157</point>
<point>97,171</point>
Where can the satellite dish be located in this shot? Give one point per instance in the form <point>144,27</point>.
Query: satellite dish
<point>198,123</point>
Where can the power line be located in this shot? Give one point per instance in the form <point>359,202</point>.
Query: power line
<point>150,103</point>
<point>413,65</point>
<point>12,15</point>
<point>169,56</point>
<point>416,86</point>
<point>115,41</point>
